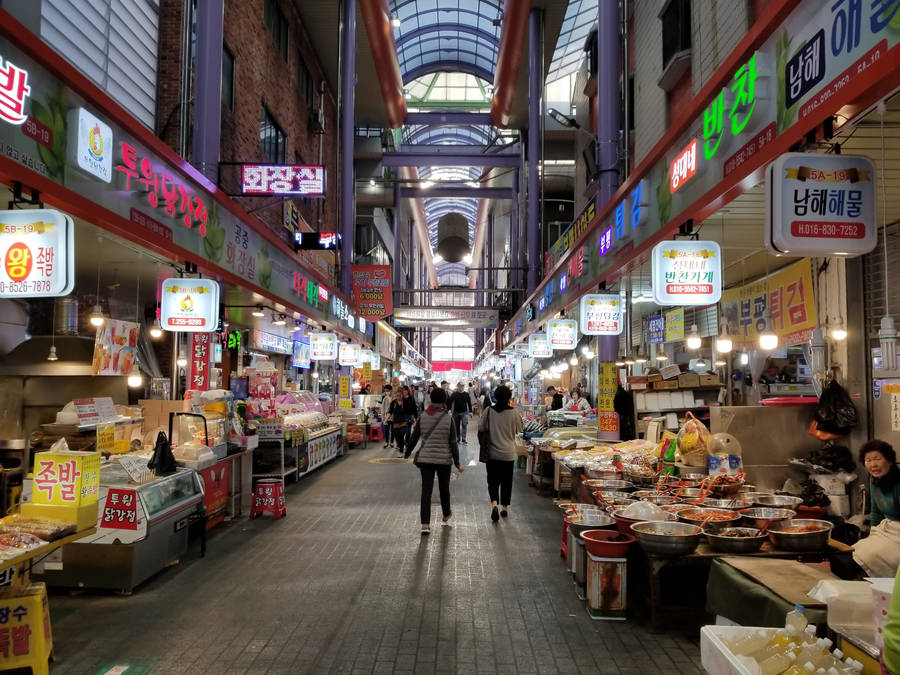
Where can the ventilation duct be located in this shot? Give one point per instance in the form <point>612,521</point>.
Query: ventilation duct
<point>453,237</point>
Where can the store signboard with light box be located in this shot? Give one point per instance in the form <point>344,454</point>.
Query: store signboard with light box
<point>820,205</point>
<point>189,305</point>
<point>283,179</point>
<point>37,248</point>
<point>601,314</point>
<point>562,334</point>
<point>539,346</point>
<point>349,355</point>
<point>687,273</point>
<point>91,144</point>
<point>323,346</point>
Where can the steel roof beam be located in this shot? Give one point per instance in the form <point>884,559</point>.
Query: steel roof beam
<point>512,40</point>
<point>449,119</point>
<point>449,192</point>
<point>435,157</point>
<point>376,16</point>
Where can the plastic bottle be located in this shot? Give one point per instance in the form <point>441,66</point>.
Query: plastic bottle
<point>796,618</point>
<point>852,667</point>
<point>749,643</point>
<point>784,640</point>
<point>797,669</point>
<point>774,665</point>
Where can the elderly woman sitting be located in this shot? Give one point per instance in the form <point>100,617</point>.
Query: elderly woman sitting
<point>879,553</point>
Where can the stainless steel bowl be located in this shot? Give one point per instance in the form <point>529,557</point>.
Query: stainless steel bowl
<point>665,538</point>
<point>693,475</point>
<point>591,521</point>
<point>696,516</point>
<point>726,489</point>
<point>607,484</point>
<point>778,501</point>
<point>750,540</point>
<point>731,504</point>
<point>801,541</point>
<point>615,496</point>
<point>758,517</point>
<point>659,500</point>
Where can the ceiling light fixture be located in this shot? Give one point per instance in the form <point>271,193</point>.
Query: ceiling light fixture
<point>52,355</point>
<point>723,342</point>
<point>768,340</point>
<point>135,378</point>
<point>395,21</point>
<point>700,363</point>
<point>720,363</point>
<point>258,312</point>
<point>467,259</point>
<point>839,332</point>
<point>629,360</point>
<point>181,362</point>
<point>639,357</point>
<point>661,354</point>
<point>156,330</point>
<point>693,339</point>
<point>279,320</point>
<point>97,316</point>
<point>573,361</point>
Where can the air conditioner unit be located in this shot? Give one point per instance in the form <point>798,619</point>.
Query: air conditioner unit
<point>317,121</point>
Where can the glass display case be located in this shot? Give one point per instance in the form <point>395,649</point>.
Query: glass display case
<point>209,429</point>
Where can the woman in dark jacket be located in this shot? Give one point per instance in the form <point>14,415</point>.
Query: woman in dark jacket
<point>439,453</point>
<point>503,423</point>
<point>400,419</point>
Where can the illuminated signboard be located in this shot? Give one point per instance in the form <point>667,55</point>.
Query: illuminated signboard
<point>300,357</point>
<point>37,248</point>
<point>283,179</point>
<point>349,355</point>
<point>271,343</point>
<point>562,333</point>
<point>233,339</point>
<point>13,90</point>
<point>601,314</point>
<point>323,346</point>
<point>189,305</point>
<point>91,146</point>
<point>316,241</point>
<point>687,273</point>
<point>539,346</point>
<point>684,167</point>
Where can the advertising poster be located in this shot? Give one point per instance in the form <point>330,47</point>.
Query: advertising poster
<point>601,314</point>
<point>607,385</point>
<point>300,357</point>
<point>372,291</point>
<point>674,325</point>
<point>656,329</point>
<point>323,346</point>
<point>115,347</point>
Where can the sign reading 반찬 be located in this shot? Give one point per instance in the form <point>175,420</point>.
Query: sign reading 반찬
<point>687,273</point>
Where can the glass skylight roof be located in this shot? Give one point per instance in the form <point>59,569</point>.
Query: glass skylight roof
<point>581,16</point>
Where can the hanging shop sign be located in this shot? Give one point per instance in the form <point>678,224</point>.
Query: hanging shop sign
<point>365,356</point>
<point>607,386</point>
<point>189,305</point>
<point>376,361</point>
<point>367,371</point>
<point>37,248</point>
<point>372,291</point>
<point>323,346</point>
<point>233,339</point>
<point>601,314</point>
<point>300,357</point>
<point>349,355</point>
<point>562,333</point>
<point>687,273</point>
<point>820,205</point>
<point>463,317</point>
<point>200,356</point>
<point>283,179</point>
<point>786,294</point>
<point>91,144</point>
<point>812,60</point>
<point>316,241</point>
<point>656,329</point>
<point>269,342</point>
<point>115,347</point>
<point>567,239</point>
<point>674,320</point>
<point>539,346</point>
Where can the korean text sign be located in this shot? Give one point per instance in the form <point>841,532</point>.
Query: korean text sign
<point>280,179</point>
<point>687,273</point>
<point>372,291</point>
<point>539,346</point>
<point>120,511</point>
<point>601,314</point>
<point>786,294</point>
<point>190,305</point>
<point>349,355</point>
<point>607,385</point>
<point>562,333</point>
<point>323,346</point>
<point>66,478</point>
<point>201,348</point>
<point>37,248</point>
<point>821,205</point>
<point>674,325</point>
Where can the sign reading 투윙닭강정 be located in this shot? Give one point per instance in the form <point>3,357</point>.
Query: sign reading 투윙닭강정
<point>189,305</point>
<point>820,205</point>
<point>539,346</point>
<point>372,291</point>
<point>601,314</point>
<point>201,351</point>
<point>37,248</point>
<point>283,179</point>
<point>687,273</point>
<point>810,64</point>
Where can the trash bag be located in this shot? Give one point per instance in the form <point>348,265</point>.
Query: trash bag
<point>163,461</point>
<point>623,404</point>
<point>835,412</point>
<point>833,458</point>
<point>814,494</point>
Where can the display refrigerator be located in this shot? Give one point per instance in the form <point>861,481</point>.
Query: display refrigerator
<point>142,528</point>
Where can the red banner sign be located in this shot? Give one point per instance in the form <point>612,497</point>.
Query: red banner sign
<point>201,346</point>
<point>120,511</point>
<point>372,291</point>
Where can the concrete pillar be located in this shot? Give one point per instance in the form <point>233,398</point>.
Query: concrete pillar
<point>607,100</point>
<point>535,117</point>
<point>348,183</point>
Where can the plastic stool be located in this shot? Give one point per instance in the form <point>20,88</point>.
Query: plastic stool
<point>375,433</point>
<point>268,497</point>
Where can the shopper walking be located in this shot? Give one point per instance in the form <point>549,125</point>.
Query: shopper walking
<point>461,406</point>
<point>420,399</point>
<point>400,420</point>
<point>436,457</point>
<point>503,423</point>
<point>386,399</point>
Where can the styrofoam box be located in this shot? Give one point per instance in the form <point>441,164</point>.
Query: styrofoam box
<point>716,658</point>
<point>882,592</point>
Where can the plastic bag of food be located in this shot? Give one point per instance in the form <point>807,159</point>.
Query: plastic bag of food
<point>644,511</point>
<point>693,441</point>
<point>666,454</point>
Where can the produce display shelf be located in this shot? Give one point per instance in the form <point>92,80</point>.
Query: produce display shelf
<point>287,472</point>
<point>49,547</point>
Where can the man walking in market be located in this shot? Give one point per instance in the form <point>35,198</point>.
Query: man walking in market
<point>460,407</point>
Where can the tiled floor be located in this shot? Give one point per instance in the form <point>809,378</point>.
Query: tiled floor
<point>345,584</point>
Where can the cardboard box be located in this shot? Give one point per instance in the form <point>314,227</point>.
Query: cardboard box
<point>710,381</point>
<point>671,371</point>
<point>655,377</point>
<point>686,380</point>
<point>666,384</point>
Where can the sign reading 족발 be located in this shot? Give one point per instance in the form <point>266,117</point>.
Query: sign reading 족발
<point>687,273</point>
<point>349,355</point>
<point>37,248</point>
<point>820,205</point>
<point>190,305</point>
<point>539,346</point>
<point>323,346</point>
<point>601,314</point>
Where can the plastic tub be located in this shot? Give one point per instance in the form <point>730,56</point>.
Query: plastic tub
<point>598,543</point>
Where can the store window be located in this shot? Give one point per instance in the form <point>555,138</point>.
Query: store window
<point>676,26</point>
<point>227,78</point>
<point>278,27</point>
<point>305,83</point>
<point>272,140</point>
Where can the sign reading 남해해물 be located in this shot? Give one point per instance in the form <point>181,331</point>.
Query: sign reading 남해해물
<point>820,205</point>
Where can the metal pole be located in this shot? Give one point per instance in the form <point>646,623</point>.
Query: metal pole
<point>535,78</point>
<point>412,261</point>
<point>208,87</point>
<point>626,104</point>
<point>348,90</point>
<point>397,257</point>
<point>607,99</point>
<point>515,257</point>
<point>175,368</point>
<point>489,245</point>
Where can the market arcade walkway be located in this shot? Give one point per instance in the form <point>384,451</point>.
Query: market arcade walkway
<point>346,584</point>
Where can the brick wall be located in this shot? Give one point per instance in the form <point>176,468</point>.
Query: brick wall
<point>261,77</point>
<point>649,99</point>
<point>717,27</point>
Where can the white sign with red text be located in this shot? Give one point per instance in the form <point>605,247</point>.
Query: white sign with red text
<point>687,273</point>
<point>601,314</point>
<point>820,205</point>
<point>350,355</point>
<point>190,305</point>
<point>323,346</point>
<point>539,346</point>
<point>562,333</point>
<point>37,248</point>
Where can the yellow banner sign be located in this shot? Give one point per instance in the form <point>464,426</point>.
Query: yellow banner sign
<point>607,385</point>
<point>786,294</point>
<point>106,437</point>
<point>344,390</point>
<point>345,404</point>
<point>367,371</point>
<point>675,325</point>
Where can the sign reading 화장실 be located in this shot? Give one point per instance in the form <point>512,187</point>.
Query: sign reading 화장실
<point>820,205</point>
<point>687,273</point>
<point>190,305</point>
<point>601,314</point>
<point>283,179</point>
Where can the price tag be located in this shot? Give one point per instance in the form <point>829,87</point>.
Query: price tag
<point>95,410</point>
<point>135,466</point>
<point>272,428</point>
<point>345,404</point>
<point>106,437</point>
